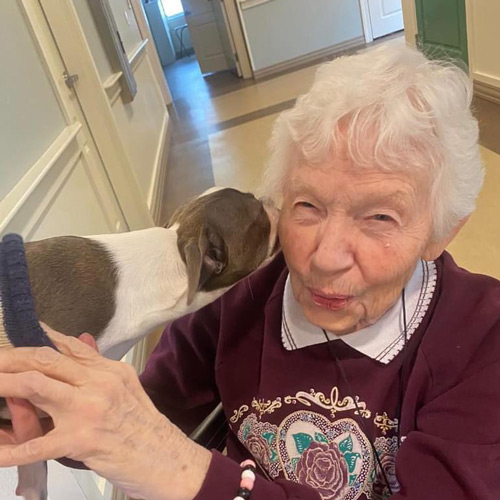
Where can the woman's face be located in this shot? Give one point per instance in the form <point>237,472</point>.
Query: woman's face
<point>352,238</point>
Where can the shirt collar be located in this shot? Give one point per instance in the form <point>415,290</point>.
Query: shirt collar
<point>381,341</point>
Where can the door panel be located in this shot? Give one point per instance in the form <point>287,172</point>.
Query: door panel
<point>205,35</point>
<point>442,31</point>
<point>32,110</point>
<point>69,197</point>
<point>386,16</point>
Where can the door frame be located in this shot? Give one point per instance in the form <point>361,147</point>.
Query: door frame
<point>410,22</point>
<point>230,38</point>
<point>236,33</point>
<point>199,15</point>
<point>366,20</point>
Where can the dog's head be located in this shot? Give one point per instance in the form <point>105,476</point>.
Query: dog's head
<point>223,236</point>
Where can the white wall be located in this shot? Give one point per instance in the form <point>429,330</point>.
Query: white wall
<point>281,30</point>
<point>483,31</point>
<point>30,116</point>
<point>141,123</point>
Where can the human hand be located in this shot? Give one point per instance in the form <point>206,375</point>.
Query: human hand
<point>103,418</point>
<point>26,422</point>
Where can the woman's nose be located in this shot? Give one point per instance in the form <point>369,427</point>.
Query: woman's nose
<point>334,249</point>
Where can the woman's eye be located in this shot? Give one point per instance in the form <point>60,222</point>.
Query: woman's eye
<point>305,204</point>
<point>382,218</point>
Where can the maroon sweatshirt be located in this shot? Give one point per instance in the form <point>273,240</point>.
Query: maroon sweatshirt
<point>295,413</point>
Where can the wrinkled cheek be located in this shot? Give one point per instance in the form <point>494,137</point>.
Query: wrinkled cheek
<point>295,249</point>
<point>388,267</point>
<point>380,299</point>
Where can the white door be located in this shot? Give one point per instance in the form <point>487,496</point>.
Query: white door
<point>207,36</point>
<point>386,16</point>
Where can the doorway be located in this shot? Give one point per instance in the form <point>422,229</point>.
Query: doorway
<point>195,43</point>
<point>199,30</point>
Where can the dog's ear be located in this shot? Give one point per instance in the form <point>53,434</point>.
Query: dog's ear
<point>205,258</point>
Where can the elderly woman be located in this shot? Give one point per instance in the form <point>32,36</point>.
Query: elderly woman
<point>362,363</point>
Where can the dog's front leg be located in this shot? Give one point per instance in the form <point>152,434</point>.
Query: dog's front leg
<point>32,483</point>
<point>27,424</point>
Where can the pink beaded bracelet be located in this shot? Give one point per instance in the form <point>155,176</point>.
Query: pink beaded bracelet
<point>247,480</point>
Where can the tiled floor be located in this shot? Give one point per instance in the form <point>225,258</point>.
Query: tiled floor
<point>221,126</point>
<point>239,154</point>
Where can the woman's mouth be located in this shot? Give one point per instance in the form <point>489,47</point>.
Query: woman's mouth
<point>330,302</point>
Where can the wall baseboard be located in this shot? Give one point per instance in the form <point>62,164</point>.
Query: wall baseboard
<point>311,57</point>
<point>157,189</point>
<point>487,92</point>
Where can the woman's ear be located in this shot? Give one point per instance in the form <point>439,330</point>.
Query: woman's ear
<point>435,248</point>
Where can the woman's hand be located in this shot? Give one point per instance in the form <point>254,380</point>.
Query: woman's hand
<point>101,417</point>
<point>26,422</point>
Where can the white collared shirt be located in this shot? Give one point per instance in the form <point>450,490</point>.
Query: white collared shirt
<point>381,341</point>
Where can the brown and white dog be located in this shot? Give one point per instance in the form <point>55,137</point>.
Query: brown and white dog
<point>121,287</point>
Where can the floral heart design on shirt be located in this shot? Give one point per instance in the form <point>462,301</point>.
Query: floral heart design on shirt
<point>335,458</point>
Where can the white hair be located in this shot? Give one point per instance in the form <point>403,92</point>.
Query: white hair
<point>416,111</point>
